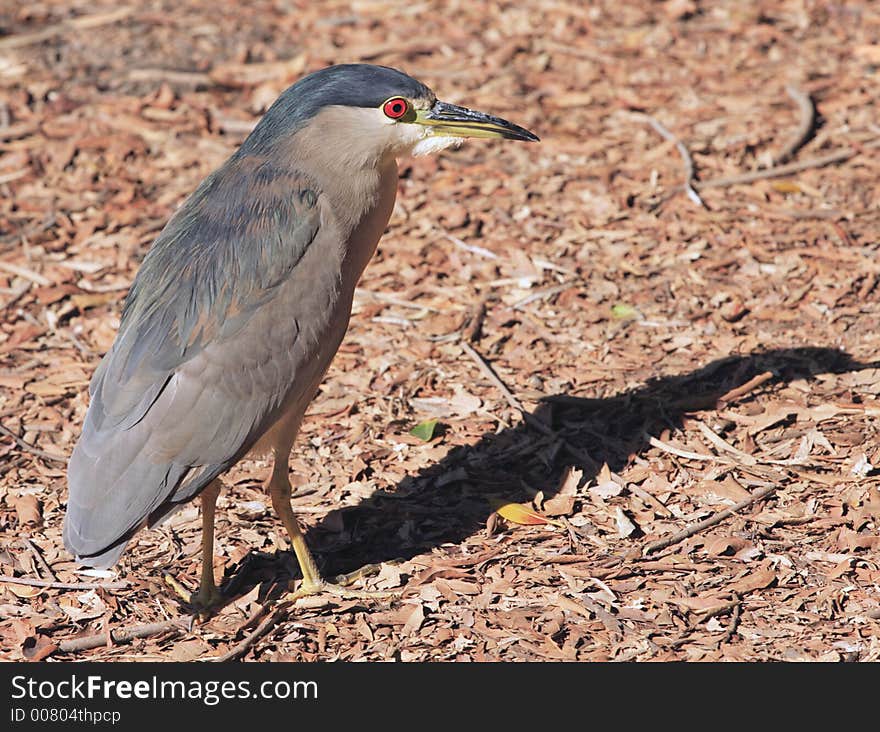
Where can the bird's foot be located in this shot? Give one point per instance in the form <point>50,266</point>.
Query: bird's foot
<point>339,587</point>
<point>207,600</point>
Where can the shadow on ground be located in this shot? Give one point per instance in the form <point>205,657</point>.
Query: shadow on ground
<point>448,502</point>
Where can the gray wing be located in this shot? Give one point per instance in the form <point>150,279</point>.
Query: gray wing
<point>201,361</point>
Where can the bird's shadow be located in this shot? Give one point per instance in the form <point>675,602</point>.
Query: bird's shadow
<point>448,502</point>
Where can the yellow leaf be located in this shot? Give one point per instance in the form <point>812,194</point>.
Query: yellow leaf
<point>785,186</point>
<point>519,513</point>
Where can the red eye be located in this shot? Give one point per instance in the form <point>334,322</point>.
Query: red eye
<point>395,108</point>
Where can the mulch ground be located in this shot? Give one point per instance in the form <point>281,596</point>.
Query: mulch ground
<point>680,376</point>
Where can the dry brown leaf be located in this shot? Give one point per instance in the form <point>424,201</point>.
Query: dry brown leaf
<point>413,621</point>
<point>699,604</point>
<point>726,545</point>
<point>728,488</point>
<point>559,506</point>
<point>28,509</point>
<point>23,591</point>
<point>755,580</point>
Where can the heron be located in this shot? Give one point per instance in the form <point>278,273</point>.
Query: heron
<point>240,305</point>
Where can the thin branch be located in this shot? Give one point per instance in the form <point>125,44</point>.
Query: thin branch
<point>721,444</point>
<point>687,454</point>
<point>490,374</point>
<point>175,78</point>
<point>779,171</point>
<point>686,158</point>
<point>734,622</point>
<point>49,585</point>
<point>20,271</point>
<point>751,384</point>
<point>124,635</point>
<point>39,558</point>
<point>473,249</point>
<point>717,518</point>
<point>80,23</point>
<point>530,419</point>
<point>28,447</point>
<point>806,122</point>
<point>238,650</point>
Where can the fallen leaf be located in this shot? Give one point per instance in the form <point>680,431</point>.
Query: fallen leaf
<point>625,527</point>
<point>785,186</point>
<point>424,430</point>
<point>621,311</point>
<point>36,648</point>
<point>606,486</point>
<point>726,545</point>
<point>559,506</point>
<point>868,52</point>
<point>25,592</point>
<point>29,511</point>
<point>699,604</point>
<point>519,513</point>
<point>756,580</point>
<point>414,621</point>
<point>862,466</point>
<point>728,489</point>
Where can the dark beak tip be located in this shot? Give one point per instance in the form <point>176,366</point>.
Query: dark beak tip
<point>525,135</point>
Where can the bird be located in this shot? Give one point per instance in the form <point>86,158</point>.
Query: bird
<point>240,305</point>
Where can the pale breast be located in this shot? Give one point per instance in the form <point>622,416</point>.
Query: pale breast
<point>320,294</point>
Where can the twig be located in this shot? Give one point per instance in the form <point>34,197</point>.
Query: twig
<point>242,647</point>
<point>28,447</point>
<point>473,332</point>
<point>175,78</point>
<point>124,635</point>
<point>836,156</point>
<point>706,615</point>
<point>672,450</point>
<point>17,295</point>
<point>717,518</point>
<point>391,300</point>
<point>473,249</point>
<point>530,419</point>
<point>649,499</point>
<point>540,295</point>
<point>713,612</point>
<point>686,158</point>
<point>28,274</point>
<point>39,558</point>
<point>81,23</point>
<point>14,175</point>
<point>490,374</point>
<point>752,383</point>
<point>805,124</point>
<point>734,621</point>
<point>724,445</point>
<point>120,585</point>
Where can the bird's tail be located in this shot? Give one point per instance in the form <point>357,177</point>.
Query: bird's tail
<point>113,490</point>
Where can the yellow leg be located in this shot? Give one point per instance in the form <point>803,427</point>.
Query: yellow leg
<point>208,596</point>
<point>313,583</point>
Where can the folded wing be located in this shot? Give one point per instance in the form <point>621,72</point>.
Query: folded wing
<point>201,360</point>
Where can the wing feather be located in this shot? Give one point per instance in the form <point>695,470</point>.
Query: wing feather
<point>192,379</point>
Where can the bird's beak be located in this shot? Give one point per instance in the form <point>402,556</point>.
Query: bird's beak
<point>449,120</point>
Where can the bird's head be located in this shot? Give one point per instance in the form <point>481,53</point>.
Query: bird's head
<point>361,113</point>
